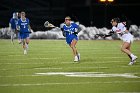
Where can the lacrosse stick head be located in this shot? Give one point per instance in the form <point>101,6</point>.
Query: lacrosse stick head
<point>46,23</point>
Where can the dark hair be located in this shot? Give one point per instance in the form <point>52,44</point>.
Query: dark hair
<point>116,19</point>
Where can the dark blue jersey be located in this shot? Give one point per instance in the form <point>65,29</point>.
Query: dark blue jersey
<point>13,22</point>
<point>24,25</point>
<point>69,30</point>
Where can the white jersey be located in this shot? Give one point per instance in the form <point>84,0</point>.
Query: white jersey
<point>120,30</point>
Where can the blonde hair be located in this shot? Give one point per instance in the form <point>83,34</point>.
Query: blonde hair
<point>68,17</point>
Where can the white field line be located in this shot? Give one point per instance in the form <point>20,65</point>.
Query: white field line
<point>60,68</point>
<point>89,74</point>
<point>71,83</point>
<point>36,75</point>
<point>78,74</point>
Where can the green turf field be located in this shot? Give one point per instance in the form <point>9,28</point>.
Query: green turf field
<point>49,68</point>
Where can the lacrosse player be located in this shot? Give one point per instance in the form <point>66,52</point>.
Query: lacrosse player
<point>13,25</point>
<point>24,29</point>
<point>122,31</point>
<point>70,31</point>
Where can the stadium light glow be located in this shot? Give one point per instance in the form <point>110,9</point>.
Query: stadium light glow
<point>110,0</point>
<point>106,1</point>
<point>102,0</point>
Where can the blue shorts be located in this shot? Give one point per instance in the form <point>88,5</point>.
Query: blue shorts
<point>70,38</point>
<point>24,36</point>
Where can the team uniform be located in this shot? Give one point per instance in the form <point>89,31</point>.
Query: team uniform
<point>127,37</point>
<point>120,30</point>
<point>70,32</point>
<point>24,29</point>
<point>13,25</point>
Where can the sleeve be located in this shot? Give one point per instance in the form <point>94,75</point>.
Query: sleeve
<point>124,29</point>
<point>122,26</point>
<point>75,25</point>
<point>114,29</point>
<point>10,21</point>
<point>77,28</point>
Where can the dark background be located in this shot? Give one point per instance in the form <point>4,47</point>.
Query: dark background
<point>87,12</point>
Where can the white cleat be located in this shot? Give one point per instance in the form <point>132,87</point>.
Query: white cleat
<point>134,59</point>
<point>19,42</point>
<point>78,56</point>
<point>131,63</point>
<point>25,52</point>
<point>76,59</point>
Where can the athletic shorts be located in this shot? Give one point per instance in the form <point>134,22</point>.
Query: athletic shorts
<point>24,36</point>
<point>70,38</point>
<point>127,38</point>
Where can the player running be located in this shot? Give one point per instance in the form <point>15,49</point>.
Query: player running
<point>121,30</point>
<point>24,28</point>
<point>69,30</point>
<point>13,26</point>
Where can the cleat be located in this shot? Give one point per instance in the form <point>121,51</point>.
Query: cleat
<point>131,63</point>
<point>25,52</point>
<point>134,59</point>
<point>19,42</point>
<point>76,59</point>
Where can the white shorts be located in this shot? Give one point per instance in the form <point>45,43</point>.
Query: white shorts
<point>127,38</point>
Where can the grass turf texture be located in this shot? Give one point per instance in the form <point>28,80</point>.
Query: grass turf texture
<point>19,73</point>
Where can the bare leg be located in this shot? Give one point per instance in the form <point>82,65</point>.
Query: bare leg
<point>24,46</point>
<point>27,42</point>
<point>125,47</point>
<point>129,50</point>
<point>72,45</point>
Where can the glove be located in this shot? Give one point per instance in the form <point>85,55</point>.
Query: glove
<point>111,32</point>
<point>63,32</point>
<point>75,33</point>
